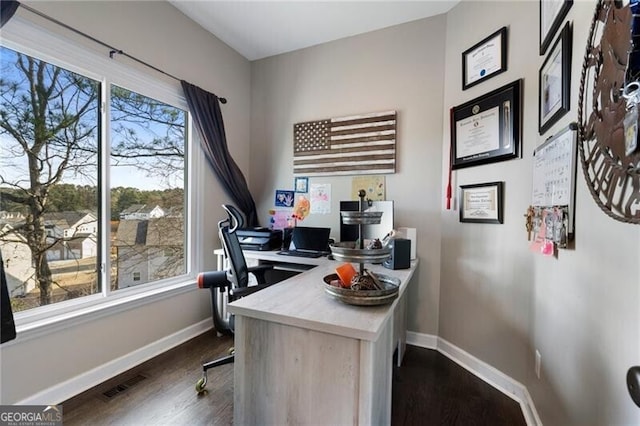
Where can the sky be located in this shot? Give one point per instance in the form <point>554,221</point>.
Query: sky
<point>12,169</point>
<point>129,128</point>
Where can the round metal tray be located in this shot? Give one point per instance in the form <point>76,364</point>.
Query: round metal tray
<point>364,297</point>
<point>361,218</point>
<point>346,252</point>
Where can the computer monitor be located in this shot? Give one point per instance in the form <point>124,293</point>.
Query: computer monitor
<point>310,239</point>
<point>350,232</point>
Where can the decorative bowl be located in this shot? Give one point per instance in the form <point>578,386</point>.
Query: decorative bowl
<point>346,252</point>
<point>364,297</point>
<point>361,218</point>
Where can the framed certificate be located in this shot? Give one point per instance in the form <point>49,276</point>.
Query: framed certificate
<point>555,82</point>
<point>487,129</point>
<point>481,203</point>
<point>485,59</point>
<point>552,12</point>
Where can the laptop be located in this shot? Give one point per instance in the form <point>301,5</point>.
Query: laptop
<point>308,242</point>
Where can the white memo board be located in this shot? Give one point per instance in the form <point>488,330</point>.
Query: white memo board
<point>554,172</point>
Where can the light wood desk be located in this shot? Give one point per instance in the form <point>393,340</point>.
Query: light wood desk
<point>287,263</point>
<point>302,357</point>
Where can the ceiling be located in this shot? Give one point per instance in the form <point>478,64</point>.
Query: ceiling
<point>258,29</point>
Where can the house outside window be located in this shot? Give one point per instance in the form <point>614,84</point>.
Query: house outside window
<point>104,146</point>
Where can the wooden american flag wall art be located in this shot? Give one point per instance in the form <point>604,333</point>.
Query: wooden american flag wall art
<point>358,144</point>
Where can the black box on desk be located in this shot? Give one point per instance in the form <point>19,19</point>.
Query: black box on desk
<point>259,239</point>
<point>400,254</point>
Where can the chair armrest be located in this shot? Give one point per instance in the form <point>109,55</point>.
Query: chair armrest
<point>237,293</point>
<point>259,271</point>
<point>213,279</point>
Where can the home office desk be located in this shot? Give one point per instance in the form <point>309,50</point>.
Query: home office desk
<point>287,263</point>
<point>302,357</point>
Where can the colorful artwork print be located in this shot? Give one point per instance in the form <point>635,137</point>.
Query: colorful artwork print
<point>374,186</point>
<point>280,219</point>
<point>302,208</point>
<point>284,198</point>
<point>320,194</point>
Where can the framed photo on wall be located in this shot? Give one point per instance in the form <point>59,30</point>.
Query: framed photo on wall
<point>301,184</point>
<point>485,59</point>
<point>552,12</point>
<point>284,198</point>
<point>554,82</point>
<point>481,203</point>
<point>487,129</point>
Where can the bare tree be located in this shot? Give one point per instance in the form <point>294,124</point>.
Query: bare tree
<point>145,133</point>
<point>48,126</point>
<point>49,136</point>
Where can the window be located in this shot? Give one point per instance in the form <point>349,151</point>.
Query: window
<point>93,173</point>
<point>48,177</point>
<point>147,187</point>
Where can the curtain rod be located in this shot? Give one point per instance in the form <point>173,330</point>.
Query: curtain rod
<point>112,50</point>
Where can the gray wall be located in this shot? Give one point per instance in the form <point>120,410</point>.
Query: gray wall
<point>498,300</point>
<point>479,287</point>
<point>396,68</point>
<point>159,34</point>
<point>487,277</point>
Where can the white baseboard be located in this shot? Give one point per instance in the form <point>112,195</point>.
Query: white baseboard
<point>529,410</point>
<point>65,390</point>
<point>494,377</point>
<point>72,387</point>
<point>428,341</point>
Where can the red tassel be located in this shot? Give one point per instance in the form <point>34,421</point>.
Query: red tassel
<point>450,161</point>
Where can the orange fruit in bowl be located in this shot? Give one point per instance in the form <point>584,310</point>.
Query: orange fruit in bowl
<point>346,272</point>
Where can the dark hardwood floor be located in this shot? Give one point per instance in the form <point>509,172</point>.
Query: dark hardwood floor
<point>167,395</point>
<point>429,389</point>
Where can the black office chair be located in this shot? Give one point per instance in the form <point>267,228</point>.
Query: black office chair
<point>234,282</point>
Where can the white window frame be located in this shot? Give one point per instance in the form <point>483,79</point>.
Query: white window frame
<point>25,36</point>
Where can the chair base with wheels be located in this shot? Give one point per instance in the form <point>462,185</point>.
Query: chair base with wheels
<point>217,283</point>
<point>229,285</point>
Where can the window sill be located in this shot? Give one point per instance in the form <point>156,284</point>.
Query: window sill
<point>29,328</point>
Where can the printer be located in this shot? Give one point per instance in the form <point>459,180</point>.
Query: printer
<point>259,238</point>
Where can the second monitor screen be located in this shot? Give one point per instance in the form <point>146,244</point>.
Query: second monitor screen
<point>350,232</point>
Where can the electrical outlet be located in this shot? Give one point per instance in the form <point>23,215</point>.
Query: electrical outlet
<point>538,363</point>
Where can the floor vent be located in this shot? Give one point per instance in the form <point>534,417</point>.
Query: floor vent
<point>122,387</point>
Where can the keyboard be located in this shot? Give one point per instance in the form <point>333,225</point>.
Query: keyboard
<point>298,253</point>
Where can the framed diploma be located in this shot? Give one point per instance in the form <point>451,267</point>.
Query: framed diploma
<point>487,129</point>
<point>552,12</point>
<point>485,59</point>
<point>555,82</point>
<point>481,203</point>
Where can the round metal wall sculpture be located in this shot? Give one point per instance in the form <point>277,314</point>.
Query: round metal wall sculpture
<point>608,106</point>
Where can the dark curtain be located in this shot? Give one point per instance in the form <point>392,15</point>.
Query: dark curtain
<point>207,117</point>
<point>7,9</point>
<point>7,326</point>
